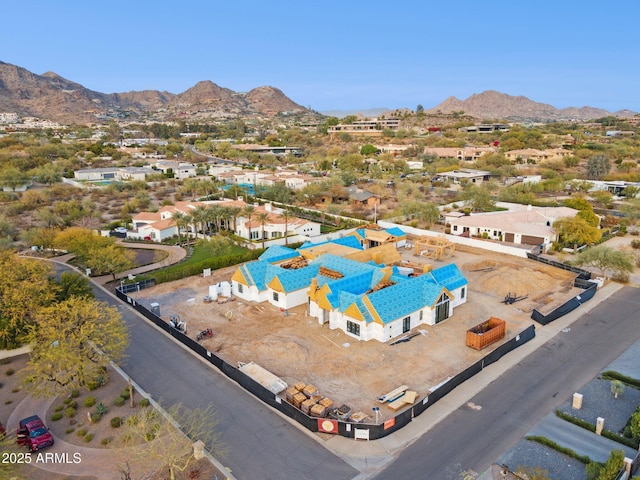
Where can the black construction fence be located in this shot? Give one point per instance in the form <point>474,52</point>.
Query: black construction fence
<point>347,429</point>
<point>582,281</point>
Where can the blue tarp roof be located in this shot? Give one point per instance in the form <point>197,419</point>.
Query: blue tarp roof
<point>348,241</point>
<point>278,253</point>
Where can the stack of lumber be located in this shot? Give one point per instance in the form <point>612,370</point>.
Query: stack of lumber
<point>318,411</point>
<point>306,405</point>
<point>298,398</point>
<point>310,390</point>
<point>289,394</point>
<point>308,399</point>
<point>408,398</point>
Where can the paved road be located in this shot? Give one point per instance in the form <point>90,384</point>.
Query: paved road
<point>470,439</point>
<point>262,444</point>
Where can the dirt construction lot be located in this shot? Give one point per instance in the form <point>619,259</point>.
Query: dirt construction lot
<point>297,349</point>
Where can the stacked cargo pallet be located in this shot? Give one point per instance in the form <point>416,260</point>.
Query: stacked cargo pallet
<point>308,399</point>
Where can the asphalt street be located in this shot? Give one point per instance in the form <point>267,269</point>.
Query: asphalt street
<point>475,435</point>
<point>260,443</point>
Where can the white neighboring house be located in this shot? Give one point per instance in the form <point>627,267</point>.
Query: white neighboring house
<point>180,170</point>
<point>275,227</point>
<point>159,225</point>
<point>530,226</point>
<point>112,173</point>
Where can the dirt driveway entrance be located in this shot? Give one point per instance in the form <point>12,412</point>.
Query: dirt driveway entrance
<point>297,349</point>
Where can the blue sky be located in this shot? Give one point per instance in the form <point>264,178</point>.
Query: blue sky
<point>338,54</point>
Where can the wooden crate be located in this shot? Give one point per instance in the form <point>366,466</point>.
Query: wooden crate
<point>298,398</point>
<point>300,386</point>
<point>318,411</point>
<point>486,333</point>
<point>310,390</point>
<point>326,402</point>
<point>306,405</point>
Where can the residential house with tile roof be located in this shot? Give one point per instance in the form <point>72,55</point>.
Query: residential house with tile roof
<point>159,225</point>
<point>528,226</point>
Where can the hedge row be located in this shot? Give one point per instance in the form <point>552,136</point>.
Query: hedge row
<point>611,375</point>
<point>214,263</point>
<point>559,448</point>
<point>616,437</point>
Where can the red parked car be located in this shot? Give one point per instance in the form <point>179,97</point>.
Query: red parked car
<point>33,433</point>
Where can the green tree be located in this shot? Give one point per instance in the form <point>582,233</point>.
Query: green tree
<point>170,444</point>
<point>12,178</point>
<point>634,424</point>
<point>598,166</point>
<point>612,466</point>
<point>109,260</point>
<point>368,149</point>
<point>478,198</point>
<point>574,231</point>
<point>617,388</point>
<point>72,284</point>
<point>606,258</point>
<point>24,289</point>
<point>72,343</point>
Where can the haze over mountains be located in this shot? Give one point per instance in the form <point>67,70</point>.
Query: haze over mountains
<point>50,96</point>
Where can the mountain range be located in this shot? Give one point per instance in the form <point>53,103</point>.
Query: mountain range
<point>52,97</point>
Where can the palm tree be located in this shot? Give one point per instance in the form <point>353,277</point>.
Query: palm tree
<point>248,212</point>
<point>181,220</point>
<point>199,218</point>
<point>263,218</point>
<point>234,212</point>
<point>213,217</point>
<point>286,215</point>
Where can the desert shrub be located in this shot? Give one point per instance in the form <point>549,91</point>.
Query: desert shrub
<point>9,372</point>
<point>144,402</point>
<point>8,402</point>
<point>635,243</point>
<point>116,422</point>
<point>75,393</point>
<point>95,417</point>
<point>56,416</point>
<point>125,394</point>
<point>88,437</point>
<point>5,361</point>
<point>15,390</point>
<point>70,430</point>
<point>106,441</point>
<point>67,400</point>
<point>70,412</point>
<point>82,432</point>
<point>620,277</point>
<point>118,402</point>
<point>101,408</point>
<point>92,385</point>
<point>89,401</point>
<point>58,408</point>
